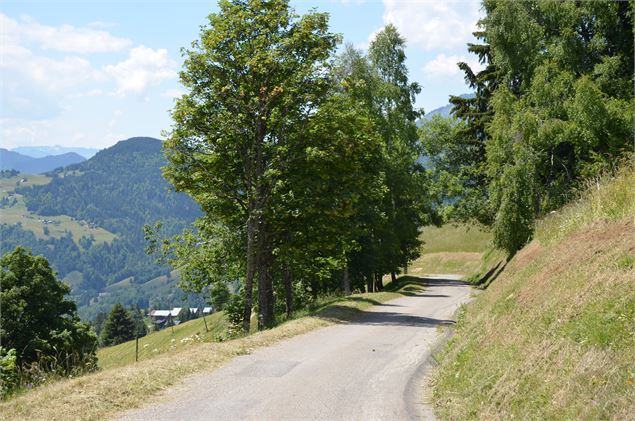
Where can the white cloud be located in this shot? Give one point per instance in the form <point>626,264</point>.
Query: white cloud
<point>433,24</point>
<point>143,67</point>
<point>65,38</point>
<point>443,66</point>
<point>49,74</point>
<point>35,87</point>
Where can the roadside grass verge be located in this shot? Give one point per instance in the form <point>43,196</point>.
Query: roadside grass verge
<point>491,264</point>
<point>552,338</point>
<point>166,340</point>
<point>113,390</point>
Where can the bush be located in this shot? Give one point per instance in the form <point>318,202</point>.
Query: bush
<point>38,321</point>
<point>8,371</point>
<point>234,310</point>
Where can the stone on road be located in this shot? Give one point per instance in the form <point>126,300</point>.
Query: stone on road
<point>371,368</point>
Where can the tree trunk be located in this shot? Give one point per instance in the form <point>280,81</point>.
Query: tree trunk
<point>379,284</point>
<point>369,283</point>
<point>393,276</point>
<point>269,309</point>
<point>346,282</point>
<point>263,301</point>
<point>288,290</point>
<point>251,266</point>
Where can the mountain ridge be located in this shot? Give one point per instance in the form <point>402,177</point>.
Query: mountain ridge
<point>42,151</point>
<point>10,160</point>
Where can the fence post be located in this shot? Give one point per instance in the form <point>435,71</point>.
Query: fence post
<point>136,348</point>
<point>206,329</point>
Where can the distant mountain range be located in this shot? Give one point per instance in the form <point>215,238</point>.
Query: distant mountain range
<point>42,151</point>
<point>10,160</point>
<point>446,110</point>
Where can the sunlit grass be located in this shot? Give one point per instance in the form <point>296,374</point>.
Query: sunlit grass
<point>552,338</point>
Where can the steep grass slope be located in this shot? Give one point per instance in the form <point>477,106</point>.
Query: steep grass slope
<point>552,337</point>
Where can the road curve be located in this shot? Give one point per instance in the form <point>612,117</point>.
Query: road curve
<point>368,369</point>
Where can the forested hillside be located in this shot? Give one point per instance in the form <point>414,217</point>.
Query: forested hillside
<point>120,189</point>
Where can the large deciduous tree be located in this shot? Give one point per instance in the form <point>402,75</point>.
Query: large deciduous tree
<point>393,108</point>
<point>254,78</point>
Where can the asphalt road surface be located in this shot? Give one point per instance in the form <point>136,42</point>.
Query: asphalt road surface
<point>370,369</point>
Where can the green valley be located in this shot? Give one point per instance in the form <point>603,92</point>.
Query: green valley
<point>88,219</point>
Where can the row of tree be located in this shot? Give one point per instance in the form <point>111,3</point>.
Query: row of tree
<point>304,163</point>
<point>553,107</point>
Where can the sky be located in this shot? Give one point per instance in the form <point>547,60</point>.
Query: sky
<point>92,72</point>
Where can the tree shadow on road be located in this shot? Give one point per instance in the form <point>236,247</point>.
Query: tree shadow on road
<point>348,315</point>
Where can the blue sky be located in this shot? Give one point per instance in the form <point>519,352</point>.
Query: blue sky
<point>91,73</point>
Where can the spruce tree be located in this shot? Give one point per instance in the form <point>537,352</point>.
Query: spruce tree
<point>119,327</point>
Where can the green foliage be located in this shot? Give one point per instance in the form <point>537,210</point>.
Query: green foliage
<point>458,184</point>
<point>234,311</point>
<point>220,296</point>
<point>38,321</point>
<point>545,115</point>
<point>119,326</point>
<point>9,377</point>
<point>513,196</point>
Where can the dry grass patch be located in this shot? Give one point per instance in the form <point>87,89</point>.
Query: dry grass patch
<point>552,338</point>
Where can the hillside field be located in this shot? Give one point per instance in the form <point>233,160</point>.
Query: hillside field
<point>451,248</point>
<point>552,336</point>
<point>56,226</point>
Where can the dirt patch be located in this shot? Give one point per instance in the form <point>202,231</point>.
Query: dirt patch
<point>589,245</point>
<point>527,254</point>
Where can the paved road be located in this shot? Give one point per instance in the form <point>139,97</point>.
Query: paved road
<point>369,369</point>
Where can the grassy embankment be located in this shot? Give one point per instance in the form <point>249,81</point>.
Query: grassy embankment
<point>123,384</point>
<point>552,337</point>
<point>56,226</point>
<point>451,248</point>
